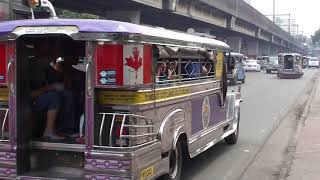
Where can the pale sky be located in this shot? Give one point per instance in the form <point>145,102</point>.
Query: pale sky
<point>306,12</point>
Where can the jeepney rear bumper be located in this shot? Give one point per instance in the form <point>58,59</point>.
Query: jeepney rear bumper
<point>121,163</point>
<point>289,73</point>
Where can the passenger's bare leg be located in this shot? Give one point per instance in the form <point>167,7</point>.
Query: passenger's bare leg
<point>51,120</point>
<point>50,127</point>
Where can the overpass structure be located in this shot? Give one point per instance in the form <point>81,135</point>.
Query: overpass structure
<point>245,29</point>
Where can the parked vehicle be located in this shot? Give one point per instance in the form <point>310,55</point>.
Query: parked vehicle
<point>235,71</point>
<point>272,64</point>
<point>290,65</point>
<point>252,65</point>
<point>149,96</point>
<point>314,62</point>
<point>263,60</point>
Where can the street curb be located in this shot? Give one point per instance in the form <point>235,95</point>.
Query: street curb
<point>283,166</point>
<point>291,149</point>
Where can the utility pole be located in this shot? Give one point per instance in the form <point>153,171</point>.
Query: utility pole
<point>274,10</point>
<point>289,24</point>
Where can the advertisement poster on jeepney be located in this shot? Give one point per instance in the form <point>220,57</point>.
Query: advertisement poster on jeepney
<point>219,65</point>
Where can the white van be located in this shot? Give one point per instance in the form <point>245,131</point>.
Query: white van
<point>313,62</point>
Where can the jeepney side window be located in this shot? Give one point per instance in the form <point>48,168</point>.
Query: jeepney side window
<point>179,64</point>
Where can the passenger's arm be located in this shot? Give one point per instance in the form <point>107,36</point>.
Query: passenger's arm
<point>38,92</point>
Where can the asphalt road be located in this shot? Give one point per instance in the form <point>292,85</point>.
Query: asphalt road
<point>266,101</point>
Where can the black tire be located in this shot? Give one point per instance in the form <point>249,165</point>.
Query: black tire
<point>243,80</point>
<point>268,71</point>
<point>233,138</point>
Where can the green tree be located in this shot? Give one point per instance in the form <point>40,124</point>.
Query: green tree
<point>74,15</point>
<point>316,37</point>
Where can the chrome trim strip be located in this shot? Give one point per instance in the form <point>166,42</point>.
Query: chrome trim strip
<point>101,128</point>
<point>211,143</point>
<point>110,134</point>
<point>4,122</point>
<point>121,129</point>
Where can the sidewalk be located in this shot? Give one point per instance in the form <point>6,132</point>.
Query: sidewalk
<point>306,162</point>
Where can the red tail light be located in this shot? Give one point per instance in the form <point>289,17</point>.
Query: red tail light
<point>120,141</point>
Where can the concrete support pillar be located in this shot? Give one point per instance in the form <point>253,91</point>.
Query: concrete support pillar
<point>274,51</point>
<point>264,49</point>
<point>235,43</point>
<point>126,16</point>
<point>253,49</point>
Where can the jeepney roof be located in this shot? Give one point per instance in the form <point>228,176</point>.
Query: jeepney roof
<point>289,54</point>
<point>88,26</point>
<point>236,54</point>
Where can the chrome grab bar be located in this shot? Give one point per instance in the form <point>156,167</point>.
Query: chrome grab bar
<point>11,89</point>
<point>121,129</point>
<point>149,125</point>
<point>110,135</point>
<point>89,79</point>
<point>4,122</point>
<point>101,128</point>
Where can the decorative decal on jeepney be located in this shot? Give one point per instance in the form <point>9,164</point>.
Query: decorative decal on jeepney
<point>133,64</point>
<point>205,112</point>
<point>108,164</point>
<point>203,118</point>
<point>8,172</point>
<point>108,77</point>
<point>118,64</point>
<point>133,97</point>
<point>7,157</point>
<point>219,65</point>
<point>105,177</point>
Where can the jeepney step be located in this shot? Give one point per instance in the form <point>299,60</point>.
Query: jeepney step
<point>58,146</point>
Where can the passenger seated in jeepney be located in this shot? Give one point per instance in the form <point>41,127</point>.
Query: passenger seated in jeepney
<point>167,71</point>
<point>57,92</point>
<point>46,84</point>
<point>74,80</point>
<point>195,69</point>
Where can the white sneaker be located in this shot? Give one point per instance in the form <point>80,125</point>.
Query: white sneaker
<point>53,137</point>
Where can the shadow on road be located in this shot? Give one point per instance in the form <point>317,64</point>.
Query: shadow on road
<point>191,167</point>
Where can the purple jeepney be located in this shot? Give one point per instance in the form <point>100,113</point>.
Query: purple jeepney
<point>148,97</point>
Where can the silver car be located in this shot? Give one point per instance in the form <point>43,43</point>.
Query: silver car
<point>272,64</point>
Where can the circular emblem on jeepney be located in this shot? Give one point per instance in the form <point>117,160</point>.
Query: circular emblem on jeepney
<point>205,112</point>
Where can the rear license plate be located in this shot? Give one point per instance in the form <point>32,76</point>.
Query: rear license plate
<point>147,173</point>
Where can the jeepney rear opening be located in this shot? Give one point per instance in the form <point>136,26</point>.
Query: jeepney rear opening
<point>43,61</point>
<point>288,62</point>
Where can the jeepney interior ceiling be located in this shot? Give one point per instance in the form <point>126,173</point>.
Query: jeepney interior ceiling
<point>175,52</point>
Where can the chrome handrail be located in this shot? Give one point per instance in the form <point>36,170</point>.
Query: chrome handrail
<point>4,122</point>
<point>149,127</point>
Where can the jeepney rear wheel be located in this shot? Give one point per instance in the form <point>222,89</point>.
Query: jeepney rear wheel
<point>233,138</point>
<point>175,162</point>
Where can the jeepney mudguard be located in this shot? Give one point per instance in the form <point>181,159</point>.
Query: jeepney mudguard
<point>171,128</point>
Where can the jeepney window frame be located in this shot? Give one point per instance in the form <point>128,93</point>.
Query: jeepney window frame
<point>180,62</point>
